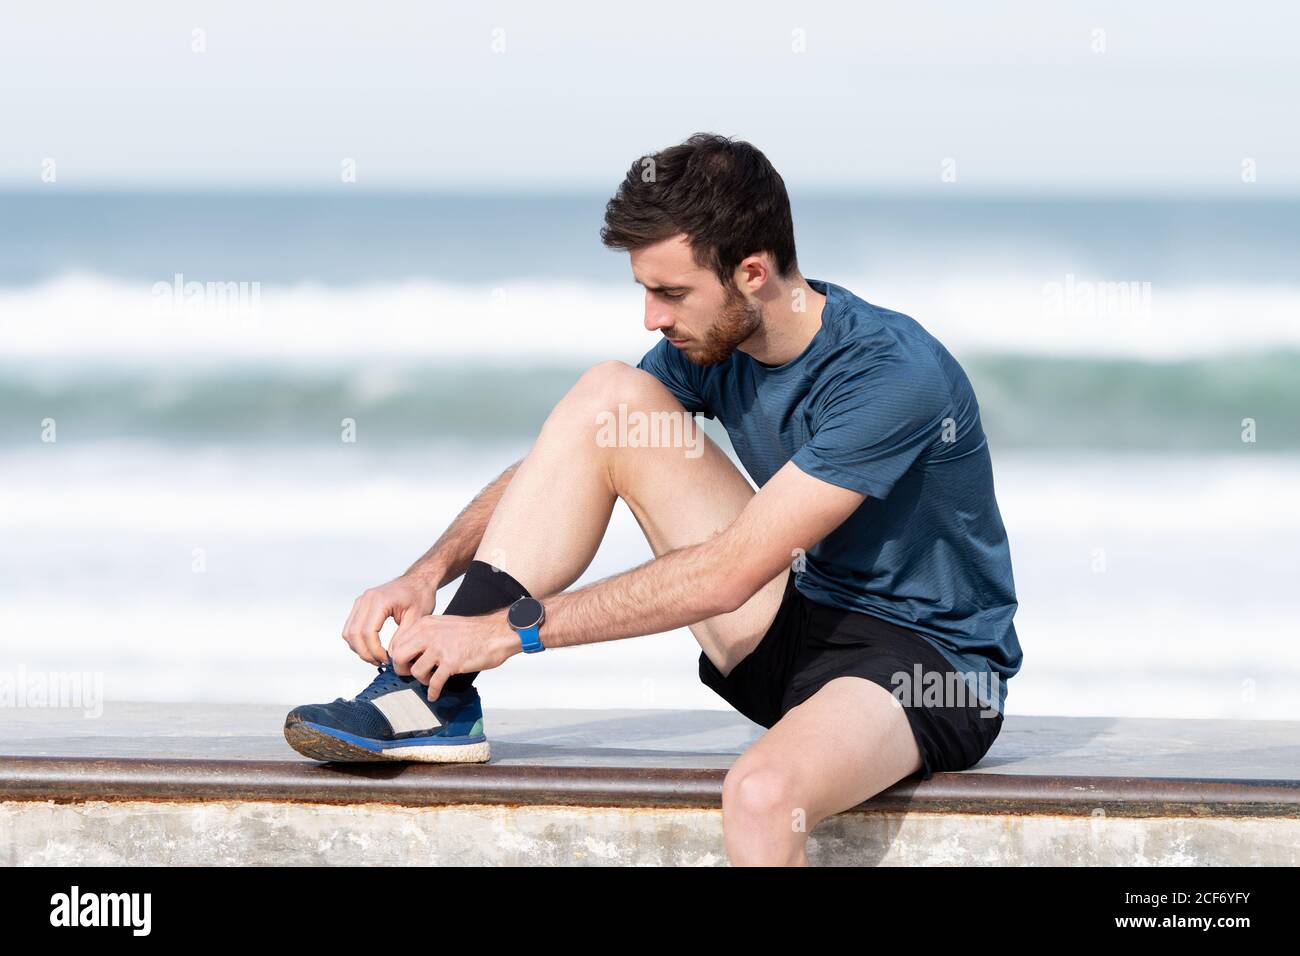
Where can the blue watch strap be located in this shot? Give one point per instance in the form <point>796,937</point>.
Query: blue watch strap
<point>531,640</point>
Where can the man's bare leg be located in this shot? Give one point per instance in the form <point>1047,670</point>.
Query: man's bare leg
<point>841,746</point>
<point>549,522</point>
<point>844,744</point>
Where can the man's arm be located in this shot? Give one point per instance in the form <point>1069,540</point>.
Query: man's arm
<point>792,511</point>
<point>869,430</point>
<point>453,551</point>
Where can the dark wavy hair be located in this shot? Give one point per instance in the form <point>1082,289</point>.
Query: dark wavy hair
<point>722,193</point>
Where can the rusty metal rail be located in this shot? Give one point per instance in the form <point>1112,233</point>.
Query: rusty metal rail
<point>82,779</point>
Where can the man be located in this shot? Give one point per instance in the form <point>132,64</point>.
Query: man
<point>859,604</point>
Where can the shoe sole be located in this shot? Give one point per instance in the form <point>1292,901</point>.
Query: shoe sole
<point>314,741</point>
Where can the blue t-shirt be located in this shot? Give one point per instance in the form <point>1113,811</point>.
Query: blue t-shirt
<point>876,404</point>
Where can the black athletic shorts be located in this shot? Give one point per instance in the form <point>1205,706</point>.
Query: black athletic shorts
<point>810,644</point>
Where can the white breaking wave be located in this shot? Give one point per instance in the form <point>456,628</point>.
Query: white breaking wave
<point>84,317</point>
<point>114,488</point>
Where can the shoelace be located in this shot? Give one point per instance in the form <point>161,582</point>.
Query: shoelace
<point>387,679</point>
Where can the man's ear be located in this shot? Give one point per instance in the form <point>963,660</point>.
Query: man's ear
<point>753,273</point>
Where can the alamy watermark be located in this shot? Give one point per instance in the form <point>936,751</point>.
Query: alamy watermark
<point>36,690</point>
<point>180,295</point>
<point>919,688</point>
<point>1083,298</point>
<point>75,908</point>
<point>657,429</point>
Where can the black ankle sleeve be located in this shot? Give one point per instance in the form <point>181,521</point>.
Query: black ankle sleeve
<point>484,589</point>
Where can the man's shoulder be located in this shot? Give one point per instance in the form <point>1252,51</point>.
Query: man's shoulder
<point>872,339</point>
<point>865,324</point>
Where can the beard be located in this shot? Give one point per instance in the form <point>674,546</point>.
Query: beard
<point>736,322</point>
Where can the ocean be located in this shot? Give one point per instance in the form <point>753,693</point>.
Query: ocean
<point>197,529</point>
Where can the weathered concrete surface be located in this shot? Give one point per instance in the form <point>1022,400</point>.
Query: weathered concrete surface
<point>113,834</point>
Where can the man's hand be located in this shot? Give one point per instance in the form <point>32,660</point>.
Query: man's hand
<point>453,645</point>
<point>404,599</point>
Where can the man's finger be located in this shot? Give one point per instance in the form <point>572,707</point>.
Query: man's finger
<point>422,667</point>
<point>403,655</point>
<point>362,609</point>
<point>374,645</point>
<point>356,633</point>
<point>397,643</point>
<point>436,681</point>
<point>349,628</point>
<point>371,624</point>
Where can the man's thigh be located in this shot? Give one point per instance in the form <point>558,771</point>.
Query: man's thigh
<point>844,744</point>
<point>687,495</point>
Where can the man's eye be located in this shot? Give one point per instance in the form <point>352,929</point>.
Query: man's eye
<point>672,295</point>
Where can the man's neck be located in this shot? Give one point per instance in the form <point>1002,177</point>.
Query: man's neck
<point>792,315</point>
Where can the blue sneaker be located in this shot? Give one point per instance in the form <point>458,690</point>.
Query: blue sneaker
<point>392,719</point>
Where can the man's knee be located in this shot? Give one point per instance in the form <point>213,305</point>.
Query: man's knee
<point>762,820</point>
<point>606,385</point>
<point>608,391</point>
<point>760,792</point>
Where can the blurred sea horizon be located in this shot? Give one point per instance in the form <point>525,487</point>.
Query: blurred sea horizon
<point>198,353</point>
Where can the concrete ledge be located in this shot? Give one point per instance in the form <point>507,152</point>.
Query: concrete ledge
<point>174,784</point>
<point>94,833</point>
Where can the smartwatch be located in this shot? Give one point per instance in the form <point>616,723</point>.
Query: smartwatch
<point>525,617</point>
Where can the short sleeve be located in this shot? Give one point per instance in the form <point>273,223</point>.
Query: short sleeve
<point>872,426</point>
<point>684,379</point>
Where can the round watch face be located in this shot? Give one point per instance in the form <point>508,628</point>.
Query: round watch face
<point>525,613</point>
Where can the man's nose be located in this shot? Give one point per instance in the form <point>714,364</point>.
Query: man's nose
<point>656,318</point>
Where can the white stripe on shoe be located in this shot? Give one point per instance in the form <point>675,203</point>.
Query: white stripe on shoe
<point>406,711</point>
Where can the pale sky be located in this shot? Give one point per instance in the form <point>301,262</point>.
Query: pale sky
<point>506,96</point>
